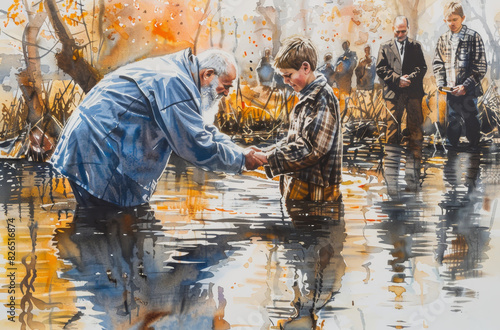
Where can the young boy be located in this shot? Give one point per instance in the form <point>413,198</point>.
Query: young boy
<point>310,157</point>
<point>460,63</point>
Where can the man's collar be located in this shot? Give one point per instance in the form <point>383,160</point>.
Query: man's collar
<point>194,67</point>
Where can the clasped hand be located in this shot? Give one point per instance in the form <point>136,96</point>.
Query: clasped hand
<point>254,158</point>
<point>404,81</point>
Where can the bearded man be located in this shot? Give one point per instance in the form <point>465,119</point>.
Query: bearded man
<point>118,141</point>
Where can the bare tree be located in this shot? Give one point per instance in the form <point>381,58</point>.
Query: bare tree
<point>30,79</point>
<point>272,15</point>
<point>70,58</point>
<point>408,8</point>
<point>198,31</point>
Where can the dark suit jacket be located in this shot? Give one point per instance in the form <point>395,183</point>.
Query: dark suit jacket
<point>390,68</point>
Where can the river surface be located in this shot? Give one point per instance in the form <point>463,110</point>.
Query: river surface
<point>214,251</point>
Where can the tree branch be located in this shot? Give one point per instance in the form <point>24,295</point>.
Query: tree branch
<point>30,79</point>
<point>69,59</point>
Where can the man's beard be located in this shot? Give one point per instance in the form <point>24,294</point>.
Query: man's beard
<point>210,101</point>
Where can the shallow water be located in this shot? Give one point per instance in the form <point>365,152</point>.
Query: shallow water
<point>216,252</point>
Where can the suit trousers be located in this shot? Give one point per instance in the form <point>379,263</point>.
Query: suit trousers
<point>463,112</point>
<point>414,122</point>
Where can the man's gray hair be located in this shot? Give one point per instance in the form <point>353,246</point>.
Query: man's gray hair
<point>401,19</point>
<point>218,60</point>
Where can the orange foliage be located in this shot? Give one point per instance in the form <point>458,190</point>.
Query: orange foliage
<point>73,16</point>
<point>163,31</point>
<point>13,13</point>
<point>151,28</point>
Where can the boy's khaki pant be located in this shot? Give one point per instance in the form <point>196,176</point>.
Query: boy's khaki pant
<point>295,189</point>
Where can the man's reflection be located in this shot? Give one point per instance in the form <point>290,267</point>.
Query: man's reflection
<point>396,159</point>
<point>121,257</point>
<point>403,217</point>
<point>401,229</point>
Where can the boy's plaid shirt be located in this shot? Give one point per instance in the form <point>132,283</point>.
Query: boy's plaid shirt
<point>470,61</point>
<point>312,151</point>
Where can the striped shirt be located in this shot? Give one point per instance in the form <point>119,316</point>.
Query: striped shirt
<point>454,41</point>
<point>468,61</point>
<point>312,150</point>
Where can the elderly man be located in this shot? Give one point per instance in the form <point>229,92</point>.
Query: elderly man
<point>118,141</point>
<point>401,67</point>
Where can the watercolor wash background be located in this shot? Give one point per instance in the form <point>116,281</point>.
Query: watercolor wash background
<point>215,251</point>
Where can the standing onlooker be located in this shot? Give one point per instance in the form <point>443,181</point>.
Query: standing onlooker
<point>366,71</point>
<point>344,69</point>
<point>460,63</point>
<point>401,66</point>
<point>327,69</point>
<point>265,70</point>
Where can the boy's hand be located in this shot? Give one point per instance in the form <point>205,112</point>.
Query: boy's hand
<point>441,90</point>
<point>254,159</point>
<point>261,157</point>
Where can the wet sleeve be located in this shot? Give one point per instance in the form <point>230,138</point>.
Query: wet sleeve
<point>201,145</point>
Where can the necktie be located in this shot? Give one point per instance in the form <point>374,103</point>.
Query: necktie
<point>402,49</point>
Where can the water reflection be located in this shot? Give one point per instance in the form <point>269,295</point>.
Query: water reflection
<point>402,171</point>
<point>121,259</point>
<point>133,271</point>
<point>461,233</point>
<point>219,252</point>
<point>313,249</point>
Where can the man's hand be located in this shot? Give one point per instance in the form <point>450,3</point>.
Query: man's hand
<point>254,159</point>
<point>404,81</point>
<point>458,90</point>
<point>254,148</point>
<point>261,157</point>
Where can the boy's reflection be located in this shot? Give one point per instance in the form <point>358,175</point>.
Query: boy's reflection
<point>461,204</point>
<point>312,250</point>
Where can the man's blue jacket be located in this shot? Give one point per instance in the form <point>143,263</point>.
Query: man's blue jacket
<point>117,142</point>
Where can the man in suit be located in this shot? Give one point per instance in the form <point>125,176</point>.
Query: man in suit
<point>401,67</point>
